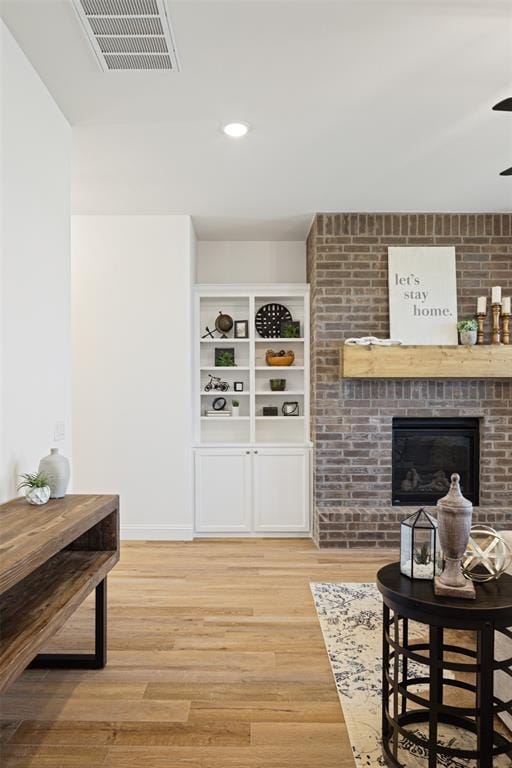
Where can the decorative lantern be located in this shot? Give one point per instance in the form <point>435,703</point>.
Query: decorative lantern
<point>420,556</point>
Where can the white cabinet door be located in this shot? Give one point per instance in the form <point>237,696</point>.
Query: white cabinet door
<point>281,489</point>
<point>223,490</point>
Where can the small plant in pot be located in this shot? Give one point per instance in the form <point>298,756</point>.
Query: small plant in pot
<point>468,332</point>
<point>37,487</point>
<point>235,407</point>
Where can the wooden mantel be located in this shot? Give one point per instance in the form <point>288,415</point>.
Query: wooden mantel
<point>426,362</point>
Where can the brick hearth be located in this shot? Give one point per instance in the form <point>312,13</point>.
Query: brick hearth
<point>351,420</point>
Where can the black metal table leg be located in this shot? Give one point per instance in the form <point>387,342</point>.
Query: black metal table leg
<point>405,644</point>
<point>436,690</point>
<point>385,671</point>
<point>485,693</point>
<point>96,660</point>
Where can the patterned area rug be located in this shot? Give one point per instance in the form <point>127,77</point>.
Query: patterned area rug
<point>351,619</point>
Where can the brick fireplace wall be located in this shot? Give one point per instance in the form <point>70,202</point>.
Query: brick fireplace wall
<point>352,420</point>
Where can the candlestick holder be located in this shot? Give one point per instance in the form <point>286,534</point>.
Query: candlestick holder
<point>505,316</point>
<point>496,333</point>
<point>480,318</point>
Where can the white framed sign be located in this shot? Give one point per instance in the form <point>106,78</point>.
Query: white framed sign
<point>422,294</point>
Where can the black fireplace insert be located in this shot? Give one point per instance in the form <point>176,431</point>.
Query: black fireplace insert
<point>427,451</point>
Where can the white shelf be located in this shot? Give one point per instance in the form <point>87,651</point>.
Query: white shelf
<point>229,393</point>
<point>278,368</point>
<point>279,418</point>
<point>225,341</point>
<point>282,393</point>
<point>226,418</point>
<point>224,368</point>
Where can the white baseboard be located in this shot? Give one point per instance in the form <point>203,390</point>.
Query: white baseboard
<point>253,535</point>
<point>156,533</point>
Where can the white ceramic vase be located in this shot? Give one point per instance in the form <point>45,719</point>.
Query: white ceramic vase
<point>468,338</point>
<point>56,469</point>
<point>235,410</point>
<point>38,496</point>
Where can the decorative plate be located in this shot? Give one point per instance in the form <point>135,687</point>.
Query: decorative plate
<point>269,319</point>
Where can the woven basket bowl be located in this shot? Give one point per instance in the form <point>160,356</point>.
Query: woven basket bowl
<point>279,360</point>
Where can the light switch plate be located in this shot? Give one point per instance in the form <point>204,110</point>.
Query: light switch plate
<point>60,430</point>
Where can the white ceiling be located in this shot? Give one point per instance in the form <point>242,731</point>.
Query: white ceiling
<point>354,105</point>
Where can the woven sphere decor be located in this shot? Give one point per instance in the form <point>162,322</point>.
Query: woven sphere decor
<point>487,555</point>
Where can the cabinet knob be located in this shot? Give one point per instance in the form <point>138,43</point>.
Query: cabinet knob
<point>247,452</point>
<point>255,451</point>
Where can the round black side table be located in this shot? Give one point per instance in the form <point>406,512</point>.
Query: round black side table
<point>491,612</point>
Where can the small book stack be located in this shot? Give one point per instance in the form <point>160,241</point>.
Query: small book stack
<point>218,413</point>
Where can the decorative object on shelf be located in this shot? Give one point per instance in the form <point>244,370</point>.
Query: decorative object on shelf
<point>270,410</point>
<point>454,514</point>
<point>269,318</point>
<point>480,319</point>
<point>367,341</point>
<point>37,488</point>
<point>224,358</point>
<point>208,334</point>
<point>422,288</point>
<point>241,329</point>
<point>505,319</point>
<point>420,554</point>
<point>290,329</point>
<point>487,555</point>
<point>496,312</point>
<point>216,384</point>
<point>290,408</point>
<point>468,332</point>
<point>481,305</point>
<point>279,358</point>
<point>56,469</point>
<point>223,323</point>
<point>219,403</point>
<point>235,408</point>
<point>277,385</point>
<point>238,386</point>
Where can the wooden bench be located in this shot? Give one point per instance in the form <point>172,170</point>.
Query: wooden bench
<point>51,559</point>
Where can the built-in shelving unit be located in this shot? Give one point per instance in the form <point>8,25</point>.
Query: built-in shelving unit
<point>251,426</point>
<point>251,472</point>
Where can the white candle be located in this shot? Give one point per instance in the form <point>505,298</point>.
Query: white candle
<point>505,305</point>
<point>481,305</point>
<point>496,295</point>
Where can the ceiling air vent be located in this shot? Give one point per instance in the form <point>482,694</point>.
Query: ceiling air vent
<point>129,34</point>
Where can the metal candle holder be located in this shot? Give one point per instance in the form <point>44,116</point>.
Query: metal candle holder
<point>496,333</point>
<point>506,327</point>
<point>480,318</point>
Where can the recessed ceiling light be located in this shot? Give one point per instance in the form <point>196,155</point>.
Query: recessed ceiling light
<point>235,130</point>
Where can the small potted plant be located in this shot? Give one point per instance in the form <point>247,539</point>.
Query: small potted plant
<point>37,487</point>
<point>468,332</point>
<point>235,407</point>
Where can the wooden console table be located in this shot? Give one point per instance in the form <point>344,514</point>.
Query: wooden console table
<point>51,558</point>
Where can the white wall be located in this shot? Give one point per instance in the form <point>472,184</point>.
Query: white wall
<point>34,299</point>
<point>251,262</point>
<point>132,368</point>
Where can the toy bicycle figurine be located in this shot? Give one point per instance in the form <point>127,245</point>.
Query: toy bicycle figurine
<point>216,383</point>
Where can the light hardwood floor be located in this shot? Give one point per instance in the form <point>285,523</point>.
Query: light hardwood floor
<point>216,660</point>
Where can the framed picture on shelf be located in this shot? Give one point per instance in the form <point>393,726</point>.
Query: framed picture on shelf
<point>224,357</point>
<point>241,329</point>
<point>238,386</point>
